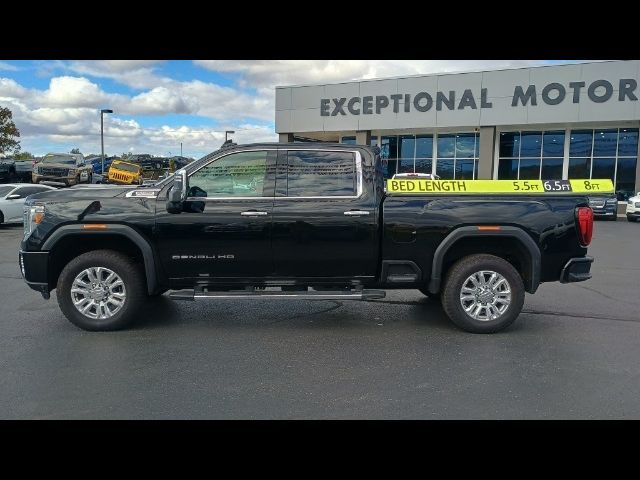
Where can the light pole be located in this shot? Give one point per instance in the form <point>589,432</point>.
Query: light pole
<point>102,112</point>
<point>225,134</point>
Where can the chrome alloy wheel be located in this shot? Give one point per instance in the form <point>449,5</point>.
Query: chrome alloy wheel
<point>485,295</point>
<point>98,293</point>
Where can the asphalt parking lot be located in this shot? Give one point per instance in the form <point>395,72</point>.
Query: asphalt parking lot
<point>573,353</point>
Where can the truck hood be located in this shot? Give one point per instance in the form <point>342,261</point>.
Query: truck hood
<point>56,165</point>
<point>92,192</point>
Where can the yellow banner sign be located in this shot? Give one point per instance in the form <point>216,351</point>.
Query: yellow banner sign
<point>419,186</point>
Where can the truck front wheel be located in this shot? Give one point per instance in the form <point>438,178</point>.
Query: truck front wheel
<point>483,294</point>
<point>101,290</point>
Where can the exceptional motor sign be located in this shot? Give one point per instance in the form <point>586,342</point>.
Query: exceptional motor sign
<point>553,93</point>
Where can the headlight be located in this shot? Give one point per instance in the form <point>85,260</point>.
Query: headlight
<point>33,216</point>
<point>72,171</point>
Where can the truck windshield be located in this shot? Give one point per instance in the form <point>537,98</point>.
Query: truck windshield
<point>59,159</point>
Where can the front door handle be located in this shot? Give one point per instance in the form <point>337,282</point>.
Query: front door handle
<point>253,213</point>
<point>356,212</point>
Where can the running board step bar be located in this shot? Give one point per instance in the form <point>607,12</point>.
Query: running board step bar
<point>258,294</point>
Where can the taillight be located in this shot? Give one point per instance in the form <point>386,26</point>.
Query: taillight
<point>585,225</point>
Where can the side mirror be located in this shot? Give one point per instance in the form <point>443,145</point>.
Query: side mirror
<point>15,196</point>
<point>178,192</point>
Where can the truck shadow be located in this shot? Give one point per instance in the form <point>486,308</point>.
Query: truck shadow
<point>10,226</point>
<point>161,312</point>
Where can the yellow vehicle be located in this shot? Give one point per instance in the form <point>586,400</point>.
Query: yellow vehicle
<point>125,173</point>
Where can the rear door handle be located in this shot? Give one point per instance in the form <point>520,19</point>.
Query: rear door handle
<point>356,212</point>
<point>253,213</point>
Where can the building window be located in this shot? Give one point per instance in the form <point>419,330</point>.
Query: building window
<point>457,156</point>
<point>531,155</point>
<point>605,153</point>
<point>389,154</point>
<point>348,140</point>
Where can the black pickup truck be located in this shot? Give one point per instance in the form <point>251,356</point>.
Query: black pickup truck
<point>300,221</point>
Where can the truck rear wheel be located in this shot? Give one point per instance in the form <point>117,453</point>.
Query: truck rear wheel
<point>101,290</point>
<point>483,294</point>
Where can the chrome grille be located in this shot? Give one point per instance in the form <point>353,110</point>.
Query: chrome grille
<point>53,171</point>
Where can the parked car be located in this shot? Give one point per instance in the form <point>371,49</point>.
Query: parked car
<point>232,224</point>
<point>604,206</point>
<point>12,197</point>
<point>416,175</point>
<point>125,173</point>
<point>7,170</point>
<point>24,170</point>
<point>67,168</point>
<point>633,208</point>
<point>96,163</point>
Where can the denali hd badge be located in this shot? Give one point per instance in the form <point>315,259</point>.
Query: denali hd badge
<point>202,257</point>
<point>147,193</point>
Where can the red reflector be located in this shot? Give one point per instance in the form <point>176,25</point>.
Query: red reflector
<point>490,228</point>
<point>585,225</point>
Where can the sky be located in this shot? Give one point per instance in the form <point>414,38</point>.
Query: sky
<point>158,104</point>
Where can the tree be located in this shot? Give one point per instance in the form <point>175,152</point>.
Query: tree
<point>23,156</point>
<point>75,150</point>
<point>8,132</point>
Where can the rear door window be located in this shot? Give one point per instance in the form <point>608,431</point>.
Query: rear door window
<point>315,173</point>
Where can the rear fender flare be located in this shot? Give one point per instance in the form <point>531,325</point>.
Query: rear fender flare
<point>472,231</point>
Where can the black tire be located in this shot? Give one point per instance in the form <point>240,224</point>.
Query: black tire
<point>631,219</point>
<point>131,275</point>
<point>458,274</point>
<point>614,218</point>
<point>432,296</point>
<point>1,218</point>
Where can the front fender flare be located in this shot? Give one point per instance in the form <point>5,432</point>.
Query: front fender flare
<point>124,230</point>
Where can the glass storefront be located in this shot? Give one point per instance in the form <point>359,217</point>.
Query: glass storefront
<point>456,154</point>
<point>605,153</point>
<point>525,155</point>
<point>594,153</point>
<point>531,155</point>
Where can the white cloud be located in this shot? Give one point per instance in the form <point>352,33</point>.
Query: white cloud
<point>11,89</point>
<point>71,92</point>
<point>65,114</point>
<point>8,67</point>
<point>270,73</point>
<point>160,101</point>
<point>194,97</point>
<point>134,73</point>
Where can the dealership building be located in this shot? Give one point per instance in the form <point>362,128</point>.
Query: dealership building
<point>552,122</point>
